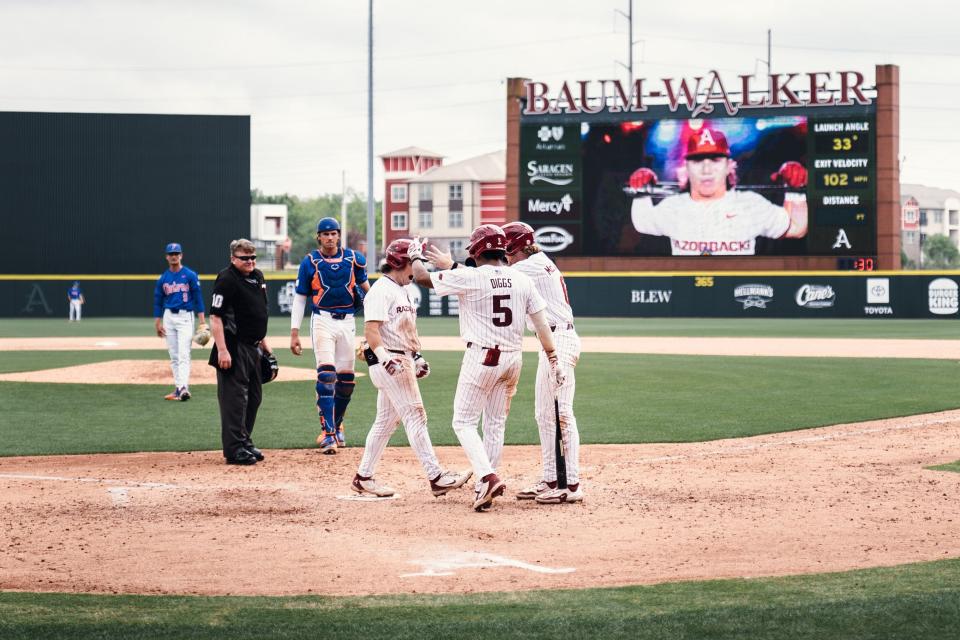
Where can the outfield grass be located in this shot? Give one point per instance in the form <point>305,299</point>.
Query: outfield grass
<point>620,399</point>
<point>910,601</point>
<point>718,327</point>
<point>953,466</point>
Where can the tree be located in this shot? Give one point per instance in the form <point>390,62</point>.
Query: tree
<point>940,253</point>
<point>905,261</point>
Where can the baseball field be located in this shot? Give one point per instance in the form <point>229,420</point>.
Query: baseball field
<point>750,479</point>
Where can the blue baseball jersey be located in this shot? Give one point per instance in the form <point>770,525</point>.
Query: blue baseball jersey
<point>180,290</point>
<point>74,293</point>
<point>329,282</point>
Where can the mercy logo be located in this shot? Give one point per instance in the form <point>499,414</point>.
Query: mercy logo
<point>559,174</point>
<point>556,207</point>
<point>546,134</point>
<point>815,296</point>
<point>753,295</point>
<point>552,239</point>
<point>943,297</point>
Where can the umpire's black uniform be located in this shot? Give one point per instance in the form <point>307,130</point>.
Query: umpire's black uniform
<point>240,301</point>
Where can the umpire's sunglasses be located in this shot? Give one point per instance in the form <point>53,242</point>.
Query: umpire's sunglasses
<point>246,258</point>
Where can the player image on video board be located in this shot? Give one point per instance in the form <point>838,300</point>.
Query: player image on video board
<point>725,187</point>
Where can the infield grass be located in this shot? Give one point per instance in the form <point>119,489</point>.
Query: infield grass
<point>620,399</point>
<point>910,601</point>
<point>716,327</point>
<point>953,466</point>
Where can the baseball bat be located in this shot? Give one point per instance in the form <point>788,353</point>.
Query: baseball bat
<point>561,459</point>
<point>672,188</point>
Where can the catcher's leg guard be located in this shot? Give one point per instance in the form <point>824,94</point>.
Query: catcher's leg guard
<point>341,397</point>
<point>326,377</point>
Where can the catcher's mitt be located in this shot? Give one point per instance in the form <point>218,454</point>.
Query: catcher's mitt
<point>268,367</point>
<point>202,336</point>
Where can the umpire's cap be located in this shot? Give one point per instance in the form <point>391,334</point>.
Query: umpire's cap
<point>174,247</point>
<point>707,142</point>
<point>328,224</point>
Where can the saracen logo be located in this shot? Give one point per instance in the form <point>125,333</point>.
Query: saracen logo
<point>556,207</point>
<point>815,296</point>
<point>753,295</point>
<point>558,173</point>
<point>552,239</point>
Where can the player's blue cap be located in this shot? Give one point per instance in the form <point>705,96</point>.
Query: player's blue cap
<point>174,247</point>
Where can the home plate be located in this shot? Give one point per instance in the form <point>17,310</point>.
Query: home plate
<point>360,497</point>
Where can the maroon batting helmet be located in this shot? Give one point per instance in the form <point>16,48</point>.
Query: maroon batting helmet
<point>396,254</point>
<point>519,235</point>
<point>486,237</point>
<point>707,142</point>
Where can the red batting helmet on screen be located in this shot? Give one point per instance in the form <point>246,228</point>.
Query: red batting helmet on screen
<point>519,235</point>
<point>707,142</point>
<point>486,237</point>
<point>396,254</point>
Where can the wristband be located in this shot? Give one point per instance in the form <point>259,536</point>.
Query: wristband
<point>421,259</point>
<point>382,355</point>
<point>454,266</point>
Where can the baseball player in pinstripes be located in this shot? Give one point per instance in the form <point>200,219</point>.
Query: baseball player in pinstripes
<point>494,300</point>
<point>393,353</point>
<point>526,257</point>
<point>334,277</point>
<point>175,297</point>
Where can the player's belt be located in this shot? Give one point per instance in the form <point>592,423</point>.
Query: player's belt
<point>177,310</point>
<point>563,327</point>
<point>372,359</point>
<point>334,315</point>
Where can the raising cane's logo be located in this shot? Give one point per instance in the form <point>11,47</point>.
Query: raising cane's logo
<point>815,296</point>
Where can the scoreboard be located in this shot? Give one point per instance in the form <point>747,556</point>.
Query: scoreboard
<point>575,176</point>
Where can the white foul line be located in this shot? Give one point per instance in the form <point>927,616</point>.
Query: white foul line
<point>448,566</point>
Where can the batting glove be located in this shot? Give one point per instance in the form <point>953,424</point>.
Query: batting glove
<point>393,366</point>
<point>423,367</point>
<point>792,174</point>
<point>415,249</point>
<point>642,177</point>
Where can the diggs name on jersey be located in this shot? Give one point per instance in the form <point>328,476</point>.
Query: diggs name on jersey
<point>501,283</point>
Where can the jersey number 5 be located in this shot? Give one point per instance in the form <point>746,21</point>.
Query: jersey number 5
<point>502,314</point>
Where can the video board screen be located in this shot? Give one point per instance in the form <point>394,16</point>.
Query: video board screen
<point>800,184</point>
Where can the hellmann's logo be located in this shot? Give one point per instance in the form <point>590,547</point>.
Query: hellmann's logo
<point>559,174</point>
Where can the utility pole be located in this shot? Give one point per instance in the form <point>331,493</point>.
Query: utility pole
<point>371,218</point>
<point>630,42</point>
<point>343,208</point>
<point>769,48</point>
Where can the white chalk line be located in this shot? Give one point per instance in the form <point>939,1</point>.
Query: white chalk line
<point>781,443</point>
<point>449,565</point>
<point>121,483</point>
<point>357,497</point>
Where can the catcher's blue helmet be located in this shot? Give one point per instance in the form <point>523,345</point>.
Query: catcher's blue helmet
<point>328,224</point>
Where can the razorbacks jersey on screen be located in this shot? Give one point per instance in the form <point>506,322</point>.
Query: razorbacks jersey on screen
<point>390,303</point>
<point>494,302</point>
<point>549,283</point>
<point>725,227</point>
<point>329,281</point>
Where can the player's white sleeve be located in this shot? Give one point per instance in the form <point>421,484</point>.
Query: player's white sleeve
<point>535,301</point>
<point>296,310</point>
<point>375,305</point>
<point>651,219</point>
<point>768,219</point>
<point>453,281</point>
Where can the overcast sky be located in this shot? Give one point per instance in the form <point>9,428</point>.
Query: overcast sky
<point>298,68</point>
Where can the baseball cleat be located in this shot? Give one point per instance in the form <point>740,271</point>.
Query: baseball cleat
<point>369,485</point>
<point>556,496</point>
<point>341,441</point>
<point>184,394</point>
<point>491,486</point>
<point>328,444</point>
<point>173,396</point>
<point>256,453</point>
<point>448,481</point>
<point>533,491</point>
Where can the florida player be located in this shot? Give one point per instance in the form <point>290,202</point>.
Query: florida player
<point>335,279</point>
<point>494,301</point>
<point>393,353</point>
<point>711,219</point>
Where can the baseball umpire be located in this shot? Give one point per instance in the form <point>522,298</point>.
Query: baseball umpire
<point>238,321</point>
<point>335,279</point>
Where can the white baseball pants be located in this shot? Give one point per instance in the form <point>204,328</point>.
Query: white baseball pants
<point>179,329</point>
<point>398,399</point>
<point>567,343</point>
<point>75,310</point>
<point>334,340</point>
